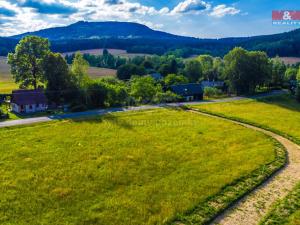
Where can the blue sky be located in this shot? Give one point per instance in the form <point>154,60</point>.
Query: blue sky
<point>198,18</point>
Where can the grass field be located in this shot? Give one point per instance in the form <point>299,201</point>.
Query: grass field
<point>290,60</point>
<point>280,114</point>
<point>6,81</point>
<point>115,52</point>
<point>7,84</point>
<point>123,168</point>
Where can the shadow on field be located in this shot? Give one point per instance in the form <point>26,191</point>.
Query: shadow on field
<point>110,118</point>
<point>284,101</point>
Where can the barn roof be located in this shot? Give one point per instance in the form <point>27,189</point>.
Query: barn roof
<point>28,97</point>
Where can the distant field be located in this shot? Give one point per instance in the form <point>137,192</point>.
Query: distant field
<point>115,52</point>
<point>290,60</point>
<point>6,81</point>
<point>122,168</point>
<point>7,84</point>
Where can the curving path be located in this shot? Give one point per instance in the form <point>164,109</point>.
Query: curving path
<point>252,208</point>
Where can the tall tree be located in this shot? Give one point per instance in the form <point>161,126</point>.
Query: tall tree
<point>79,69</point>
<point>27,60</point>
<point>278,72</point>
<point>206,62</point>
<point>58,78</point>
<point>244,70</point>
<point>193,70</point>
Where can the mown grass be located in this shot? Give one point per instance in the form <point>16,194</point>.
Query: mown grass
<point>123,168</point>
<point>280,114</point>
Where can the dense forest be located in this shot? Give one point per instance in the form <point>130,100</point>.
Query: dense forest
<point>140,39</point>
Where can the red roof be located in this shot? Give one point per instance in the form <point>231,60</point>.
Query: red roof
<point>28,97</point>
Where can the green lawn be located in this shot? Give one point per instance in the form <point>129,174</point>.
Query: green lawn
<point>280,114</point>
<point>123,168</point>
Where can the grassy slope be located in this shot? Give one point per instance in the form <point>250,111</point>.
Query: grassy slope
<point>277,113</point>
<point>129,168</point>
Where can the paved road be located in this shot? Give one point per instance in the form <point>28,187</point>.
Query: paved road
<point>123,109</point>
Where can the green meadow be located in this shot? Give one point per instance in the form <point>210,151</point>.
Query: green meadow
<point>122,168</point>
<point>280,114</point>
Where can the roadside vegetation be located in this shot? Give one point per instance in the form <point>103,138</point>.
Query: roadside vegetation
<point>286,211</point>
<point>146,168</point>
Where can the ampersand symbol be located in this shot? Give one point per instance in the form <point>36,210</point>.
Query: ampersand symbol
<point>286,15</point>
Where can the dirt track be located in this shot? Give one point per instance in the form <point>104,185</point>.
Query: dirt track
<point>251,209</point>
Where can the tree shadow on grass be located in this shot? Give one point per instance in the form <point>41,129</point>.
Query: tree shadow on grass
<point>110,118</point>
<point>284,101</point>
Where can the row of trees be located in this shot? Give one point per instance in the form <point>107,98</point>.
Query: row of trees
<point>104,60</point>
<point>33,65</point>
<point>243,71</point>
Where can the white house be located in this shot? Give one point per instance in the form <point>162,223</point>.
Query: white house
<point>28,101</point>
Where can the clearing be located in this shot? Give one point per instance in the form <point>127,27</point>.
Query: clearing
<point>115,52</point>
<point>122,168</point>
<point>290,60</point>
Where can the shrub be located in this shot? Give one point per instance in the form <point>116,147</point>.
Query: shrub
<point>212,92</point>
<point>165,97</point>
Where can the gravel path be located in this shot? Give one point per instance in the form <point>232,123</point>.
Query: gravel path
<point>251,209</point>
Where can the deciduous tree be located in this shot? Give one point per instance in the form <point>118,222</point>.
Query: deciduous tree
<point>27,61</point>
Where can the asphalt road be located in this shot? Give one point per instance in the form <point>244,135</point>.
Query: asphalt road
<point>34,120</point>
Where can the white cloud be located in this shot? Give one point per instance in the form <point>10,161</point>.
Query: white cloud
<point>223,10</point>
<point>34,17</point>
<point>191,6</point>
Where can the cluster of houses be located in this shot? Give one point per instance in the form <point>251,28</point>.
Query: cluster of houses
<point>32,101</point>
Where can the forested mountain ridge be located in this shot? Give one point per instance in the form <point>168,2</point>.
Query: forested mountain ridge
<point>137,38</point>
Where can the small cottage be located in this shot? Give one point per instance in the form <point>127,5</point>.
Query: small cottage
<point>28,101</point>
<point>189,92</point>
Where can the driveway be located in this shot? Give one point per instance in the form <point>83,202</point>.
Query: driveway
<point>125,109</point>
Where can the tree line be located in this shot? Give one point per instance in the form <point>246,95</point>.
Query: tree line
<point>34,65</point>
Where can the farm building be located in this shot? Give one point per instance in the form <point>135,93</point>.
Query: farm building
<point>189,92</point>
<point>28,101</point>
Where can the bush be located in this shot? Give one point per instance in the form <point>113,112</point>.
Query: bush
<point>212,92</point>
<point>166,97</point>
